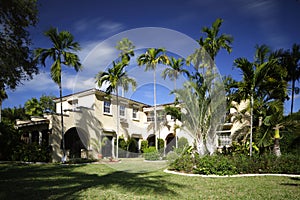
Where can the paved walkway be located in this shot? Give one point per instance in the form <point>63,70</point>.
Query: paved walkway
<point>226,176</point>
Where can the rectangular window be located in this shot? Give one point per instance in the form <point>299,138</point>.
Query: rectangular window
<point>225,140</point>
<point>106,108</point>
<point>122,110</point>
<point>134,113</point>
<point>150,117</point>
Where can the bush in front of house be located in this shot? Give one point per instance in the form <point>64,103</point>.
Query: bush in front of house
<point>191,162</point>
<point>31,153</point>
<point>151,153</point>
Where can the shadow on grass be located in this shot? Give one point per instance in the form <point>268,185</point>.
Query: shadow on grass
<point>65,182</point>
<point>293,184</point>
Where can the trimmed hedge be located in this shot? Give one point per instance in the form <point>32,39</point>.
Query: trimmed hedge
<point>151,153</point>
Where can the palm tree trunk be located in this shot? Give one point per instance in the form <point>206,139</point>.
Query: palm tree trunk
<point>276,148</point>
<point>62,123</point>
<point>117,149</point>
<point>293,93</point>
<point>155,120</point>
<point>251,123</point>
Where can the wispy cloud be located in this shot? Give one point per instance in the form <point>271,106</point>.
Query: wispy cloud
<point>40,83</point>
<point>99,26</point>
<point>267,14</point>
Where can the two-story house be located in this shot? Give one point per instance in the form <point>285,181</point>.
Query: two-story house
<point>90,124</point>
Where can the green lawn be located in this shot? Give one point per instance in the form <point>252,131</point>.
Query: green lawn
<point>135,181</point>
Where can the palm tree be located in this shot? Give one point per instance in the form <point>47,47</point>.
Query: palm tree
<point>151,59</point>
<point>197,114</point>
<point>127,49</point>
<point>213,41</point>
<point>62,53</point>
<point>116,76</point>
<point>174,70</point>
<point>258,80</point>
<point>291,61</point>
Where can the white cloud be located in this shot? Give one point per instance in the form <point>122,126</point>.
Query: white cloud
<point>99,26</point>
<point>109,27</point>
<point>40,83</point>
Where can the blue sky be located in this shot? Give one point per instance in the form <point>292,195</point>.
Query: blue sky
<point>97,25</point>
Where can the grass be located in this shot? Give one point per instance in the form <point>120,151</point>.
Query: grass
<point>135,181</point>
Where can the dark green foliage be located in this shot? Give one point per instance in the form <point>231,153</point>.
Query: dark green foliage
<point>161,144</point>
<point>144,145</point>
<point>9,138</point>
<point>10,115</point>
<point>47,103</point>
<point>173,111</point>
<point>238,148</point>
<point>151,153</point>
<point>218,165</point>
<point>33,107</point>
<point>237,164</point>
<point>16,57</point>
<point>182,142</point>
<point>31,153</point>
<point>128,148</point>
<point>268,163</point>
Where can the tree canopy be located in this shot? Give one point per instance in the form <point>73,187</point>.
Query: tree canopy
<point>16,58</point>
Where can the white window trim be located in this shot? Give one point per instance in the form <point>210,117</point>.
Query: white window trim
<point>123,116</point>
<point>110,107</point>
<point>135,118</point>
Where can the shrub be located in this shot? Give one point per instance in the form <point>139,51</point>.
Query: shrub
<point>161,144</point>
<point>31,153</point>
<point>172,156</point>
<point>182,142</point>
<point>234,164</point>
<point>216,164</point>
<point>151,153</point>
<point>144,145</point>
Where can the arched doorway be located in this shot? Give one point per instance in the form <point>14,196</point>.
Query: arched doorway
<point>75,140</point>
<point>171,143</point>
<point>151,140</point>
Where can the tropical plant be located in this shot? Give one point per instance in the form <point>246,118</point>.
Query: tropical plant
<point>116,76</point>
<point>213,41</point>
<point>174,70</point>
<point>33,107</point>
<point>263,82</point>
<point>127,49</point>
<point>291,60</point>
<point>151,58</point>
<point>62,53</point>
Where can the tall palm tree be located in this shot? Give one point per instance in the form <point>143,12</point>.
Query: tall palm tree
<point>291,61</point>
<point>116,76</point>
<point>258,80</point>
<point>62,53</point>
<point>174,70</point>
<point>151,58</point>
<point>213,41</point>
